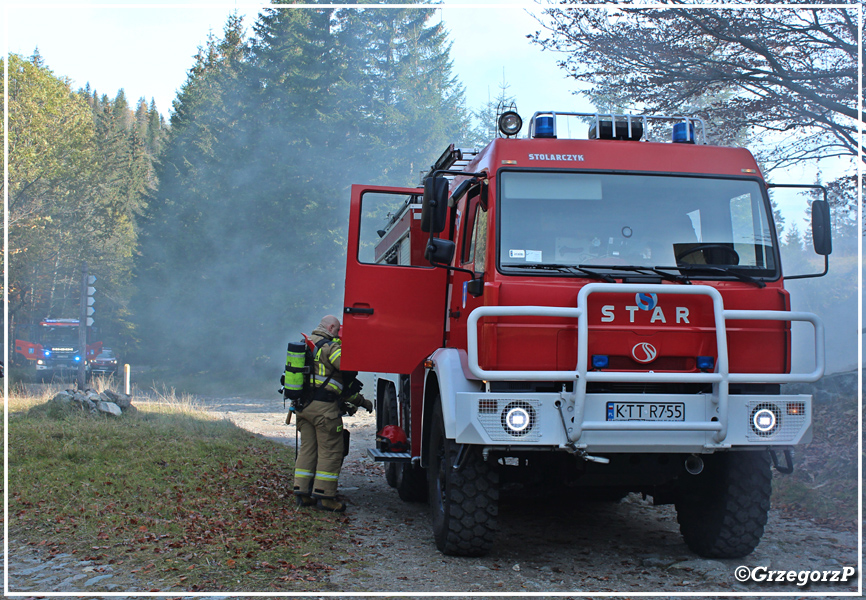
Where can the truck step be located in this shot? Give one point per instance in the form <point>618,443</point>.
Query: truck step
<point>379,455</point>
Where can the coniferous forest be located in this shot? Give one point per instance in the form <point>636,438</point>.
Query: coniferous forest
<point>219,234</point>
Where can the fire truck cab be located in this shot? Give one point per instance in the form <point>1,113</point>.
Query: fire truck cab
<point>55,349</point>
<point>589,317</point>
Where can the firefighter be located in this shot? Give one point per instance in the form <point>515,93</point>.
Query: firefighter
<point>320,422</point>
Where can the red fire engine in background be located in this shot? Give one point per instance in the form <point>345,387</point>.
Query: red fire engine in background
<point>589,317</point>
<point>55,347</point>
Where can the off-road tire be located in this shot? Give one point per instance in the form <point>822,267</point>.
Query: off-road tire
<point>464,503</point>
<point>722,511</point>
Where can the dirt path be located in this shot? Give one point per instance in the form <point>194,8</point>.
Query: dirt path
<point>545,545</point>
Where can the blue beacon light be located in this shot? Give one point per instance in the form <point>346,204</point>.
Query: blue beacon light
<point>544,127</point>
<point>684,133</point>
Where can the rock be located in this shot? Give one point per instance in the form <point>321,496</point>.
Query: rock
<point>63,398</point>
<point>109,407</point>
<point>122,400</point>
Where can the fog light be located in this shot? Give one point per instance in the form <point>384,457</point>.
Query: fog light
<point>706,363</point>
<point>600,361</point>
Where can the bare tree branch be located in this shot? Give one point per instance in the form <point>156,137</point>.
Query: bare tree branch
<point>762,68</point>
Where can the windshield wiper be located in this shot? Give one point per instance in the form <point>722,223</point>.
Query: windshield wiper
<point>644,271</point>
<point>724,270</point>
<point>564,269</point>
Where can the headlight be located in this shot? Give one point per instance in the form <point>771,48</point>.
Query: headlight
<point>518,418</point>
<point>765,419</point>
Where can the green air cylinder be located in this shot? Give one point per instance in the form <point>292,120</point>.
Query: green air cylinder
<point>294,377</point>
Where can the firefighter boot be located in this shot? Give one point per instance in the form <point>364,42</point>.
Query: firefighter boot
<point>304,500</point>
<point>332,505</point>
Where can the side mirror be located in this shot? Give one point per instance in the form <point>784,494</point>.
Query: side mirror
<point>475,287</point>
<point>440,251</point>
<point>434,205</point>
<point>821,239</point>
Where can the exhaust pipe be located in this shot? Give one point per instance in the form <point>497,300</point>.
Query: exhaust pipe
<point>694,464</point>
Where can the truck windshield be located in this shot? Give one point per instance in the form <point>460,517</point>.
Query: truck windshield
<point>60,335</point>
<point>597,219</point>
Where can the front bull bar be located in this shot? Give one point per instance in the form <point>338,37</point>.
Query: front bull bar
<point>720,379</point>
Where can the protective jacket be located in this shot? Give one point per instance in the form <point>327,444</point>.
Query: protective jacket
<point>326,369</point>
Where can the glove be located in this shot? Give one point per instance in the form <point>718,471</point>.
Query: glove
<point>364,403</point>
<point>349,408</point>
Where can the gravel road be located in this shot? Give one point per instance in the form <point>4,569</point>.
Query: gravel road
<point>544,545</point>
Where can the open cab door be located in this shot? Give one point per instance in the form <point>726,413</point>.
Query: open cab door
<point>394,305</point>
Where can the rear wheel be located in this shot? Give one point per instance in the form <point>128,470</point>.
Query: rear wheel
<point>464,502</point>
<point>722,511</point>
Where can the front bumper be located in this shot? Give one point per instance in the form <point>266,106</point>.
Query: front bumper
<point>578,420</point>
<point>481,418</point>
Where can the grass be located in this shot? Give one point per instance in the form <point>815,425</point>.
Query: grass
<point>169,492</point>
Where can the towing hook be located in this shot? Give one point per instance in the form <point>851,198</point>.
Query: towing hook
<point>589,458</point>
<point>789,459</point>
<point>694,464</point>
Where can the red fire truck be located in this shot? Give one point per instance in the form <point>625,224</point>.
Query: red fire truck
<point>55,348</point>
<point>589,317</point>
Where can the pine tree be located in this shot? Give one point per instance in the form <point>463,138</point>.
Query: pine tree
<point>244,240</point>
<point>74,188</point>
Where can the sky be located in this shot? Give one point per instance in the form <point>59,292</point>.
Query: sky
<point>146,49</point>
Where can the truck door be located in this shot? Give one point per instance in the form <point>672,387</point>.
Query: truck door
<point>394,305</point>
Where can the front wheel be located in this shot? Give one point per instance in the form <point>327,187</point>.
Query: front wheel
<point>722,511</point>
<point>464,502</point>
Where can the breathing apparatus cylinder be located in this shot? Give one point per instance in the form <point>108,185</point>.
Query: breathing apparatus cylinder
<point>294,376</point>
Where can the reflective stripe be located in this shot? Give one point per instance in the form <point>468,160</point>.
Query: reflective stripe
<point>333,385</point>
<point>304,473</point>
<point>327,476</point>
<point>335,355</point>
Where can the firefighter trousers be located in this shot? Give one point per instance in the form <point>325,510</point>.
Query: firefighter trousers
<point>320,458</point>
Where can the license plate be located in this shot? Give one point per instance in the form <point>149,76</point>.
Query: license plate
<point>646,411</point>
